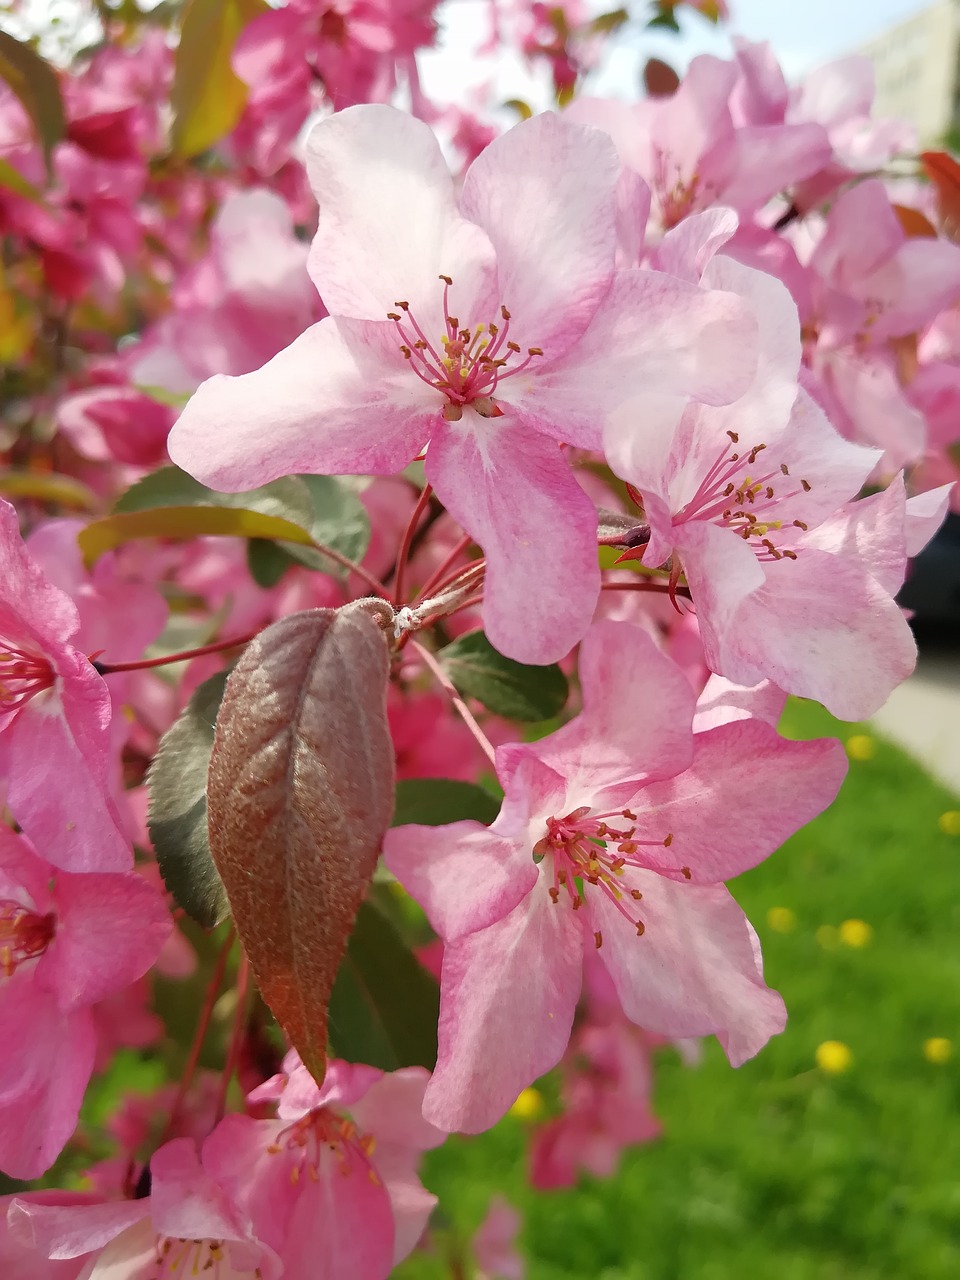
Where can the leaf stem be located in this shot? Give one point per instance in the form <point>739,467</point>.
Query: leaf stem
<point>434,667</point>
<point>403,554</point>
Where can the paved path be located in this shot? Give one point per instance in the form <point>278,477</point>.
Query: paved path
<point>923,716</point>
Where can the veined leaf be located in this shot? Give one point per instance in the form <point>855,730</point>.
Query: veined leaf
<point>505,687</point>
<point>299,794</point>
<point>35,83</point>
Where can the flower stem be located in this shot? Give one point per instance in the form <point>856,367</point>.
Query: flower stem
<point>404,553</point>
<point>203,1023</point>
<point>236,1037</point>
<point>143,664</point>
<point>434,667</point>
<point>457,551</point>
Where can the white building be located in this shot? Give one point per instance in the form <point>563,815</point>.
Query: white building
<point>917,71</point>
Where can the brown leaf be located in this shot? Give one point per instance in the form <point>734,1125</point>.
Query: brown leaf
<point>913,222</point>
<point>659,79</point>
<point>944,172</point>
<point>300,791</point>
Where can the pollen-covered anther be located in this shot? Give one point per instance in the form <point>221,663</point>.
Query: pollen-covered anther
<point>579,844</point>
<point>467,363</point>
<point>23,675</point>
<point>748,504</point>
<point>24,935</point>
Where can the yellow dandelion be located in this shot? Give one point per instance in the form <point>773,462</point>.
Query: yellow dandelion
<point>861,747</point>
<point>529,1105</point>
<point>782,919</point>
<point>834,1057</point>
<point>855,933</point>
<point>938,1050</point>
<point>949,822</point>
<point>828,937</point>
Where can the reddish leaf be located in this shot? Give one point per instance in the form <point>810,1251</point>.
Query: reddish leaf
<point>944,172</point>
<point>659,79</point>
<point>300,791</point>
<point>913,222</point>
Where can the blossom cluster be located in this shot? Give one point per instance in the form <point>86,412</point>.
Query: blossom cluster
<point>625,426</point>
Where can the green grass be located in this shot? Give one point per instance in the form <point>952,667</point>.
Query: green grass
<point>778,1170</point>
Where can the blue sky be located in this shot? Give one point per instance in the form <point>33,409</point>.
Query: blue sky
<point>803,33</point>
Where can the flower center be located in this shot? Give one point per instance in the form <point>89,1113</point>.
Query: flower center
<point>731,495</point>
<point>22,675</point>
<point>466,365</point>
<point>305,1141</point>
<point>24,935</point>
<point>177,1259</point>
<point>580,846</point>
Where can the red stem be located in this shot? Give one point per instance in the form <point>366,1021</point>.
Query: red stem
<point>663,587</point>
<point>457,551</point>
<point>216,978</point>
<point>236,1037</point>
<point>430,662</point>
<point>404,553</point>
<point>108,668</point>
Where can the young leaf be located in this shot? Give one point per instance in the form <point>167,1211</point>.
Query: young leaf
<point>177,817</point>
<point>35,83</point>
<point>433,802</point>
<point>300,792</point>
<point>505,687</point>
<point>207,97</point>
<point>104,535</point>
<point>384,1005</point>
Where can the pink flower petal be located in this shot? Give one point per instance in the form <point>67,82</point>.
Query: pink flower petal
<point>110,930</point>
<point>609,744</point>
<point>695,970</point>
<point>71,1230</point>
<point>507,999</point>
<point>746,791</point>
<point>340,399</point>
<point>544,193</point>
<point>513,491</point>
<point>389,224</point>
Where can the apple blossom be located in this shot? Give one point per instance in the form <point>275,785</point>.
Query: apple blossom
<point>408,356</point>
<point>616,833</point>
<point>66,942</point>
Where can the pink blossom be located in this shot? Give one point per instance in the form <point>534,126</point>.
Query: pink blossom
<point>873,282</point>
<point>650,820</point>
<point>692,154</point>
<point>495,1243</point>
<point>66,943</point>
<point>737,498</point>
<point>331,1183</point>
<point>55,718</point>
<point>530,252</point>
<point>187,1225</point>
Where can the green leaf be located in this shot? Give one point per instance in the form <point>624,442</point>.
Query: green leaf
<point>183,522</point>
<point>267,562</point>
<point>433,802</point>
<point>207,98</point>
<point>325,507</point>
<point>385,1005</point>
<point>177,818</point>
<point>505,687</point>
<point>166,487</point>
<point>338,520</point>
<point>36,84</point>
